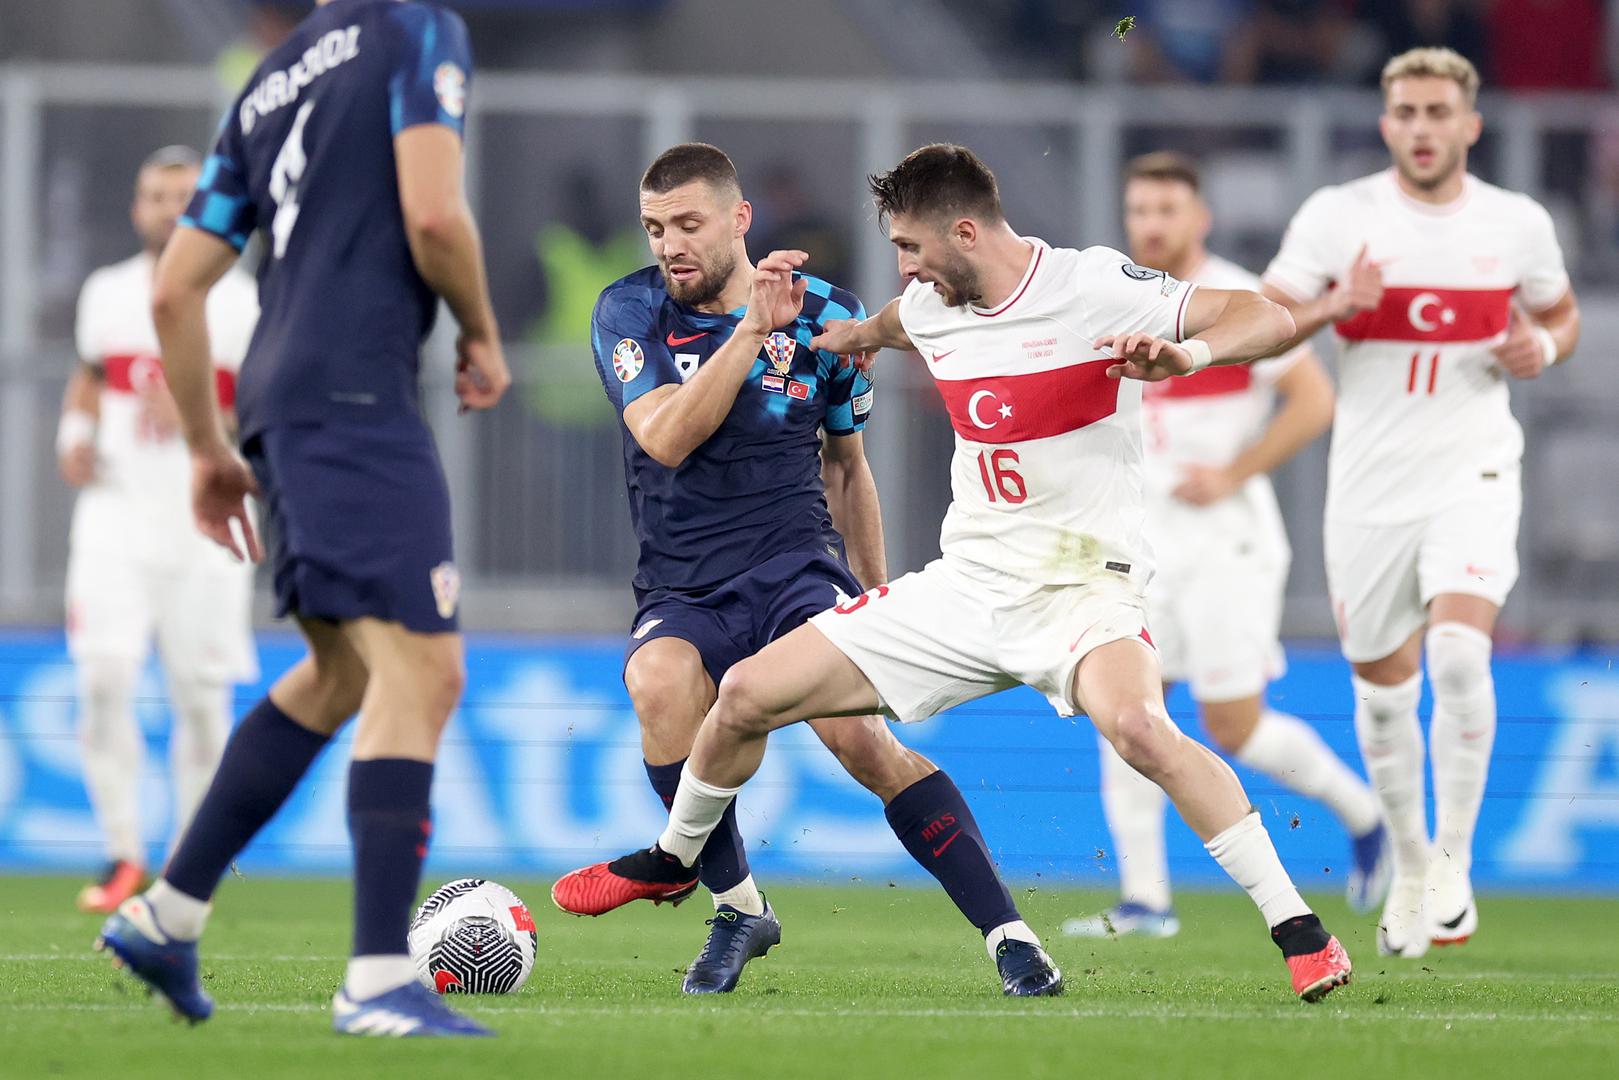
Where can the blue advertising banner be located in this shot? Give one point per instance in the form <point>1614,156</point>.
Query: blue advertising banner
<point>541,771</point>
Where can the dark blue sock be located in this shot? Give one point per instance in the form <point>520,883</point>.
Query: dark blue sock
<point>266,757</point>
<point>723,862</point>
<point>390,820</point>
<point>932,820</point>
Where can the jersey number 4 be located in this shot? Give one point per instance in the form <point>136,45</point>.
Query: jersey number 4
<point>285,174</point>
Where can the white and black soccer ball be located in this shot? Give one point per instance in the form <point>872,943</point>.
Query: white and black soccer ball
<point>473,937</point>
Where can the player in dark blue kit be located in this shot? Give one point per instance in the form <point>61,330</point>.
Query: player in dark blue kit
<point>755,509</point>
<point>345,152</point>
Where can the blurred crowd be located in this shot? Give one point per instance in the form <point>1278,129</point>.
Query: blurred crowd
<point>1520,45</point>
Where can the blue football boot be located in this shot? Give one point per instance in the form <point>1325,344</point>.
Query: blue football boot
<point>1026,970</point>
<point>411,1011</point>
<point>734,938</point>
<point>1373,870</point>
<point>139,945</point>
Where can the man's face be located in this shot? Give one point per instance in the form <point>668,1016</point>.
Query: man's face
<point>1164,221</point>
<point>1428,127</point>
<point>933,250</point>
<point>161,195</point>
<point>693,231</point>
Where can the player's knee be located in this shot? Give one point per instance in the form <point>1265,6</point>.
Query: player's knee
<point>667,689</point>
<point>1144,738</point>
<point>744,708</point>
<point>1226,736</point>
<point>1458,660</point>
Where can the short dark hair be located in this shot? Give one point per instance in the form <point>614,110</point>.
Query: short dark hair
<point>687,162</point>
<point>940,180</point>
<point>1164,165</point>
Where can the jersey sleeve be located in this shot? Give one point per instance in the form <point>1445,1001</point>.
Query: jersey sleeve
<point>87,322</point>
<point>631,358</point>
<point>1125,298</point>
<point>849,392</point>
<point>432,69</point>
<point>1543,279</point>
<point>221,205</point>
<point>1307,261</point>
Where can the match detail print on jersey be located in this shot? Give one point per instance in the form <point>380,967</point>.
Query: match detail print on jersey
<point>1037,405</point>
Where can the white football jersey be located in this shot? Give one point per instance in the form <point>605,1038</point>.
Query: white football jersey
<point>1423,411</point>
<point>1046,476</point>
<point>140,500</point>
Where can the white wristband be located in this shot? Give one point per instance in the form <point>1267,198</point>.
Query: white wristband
<point>77,428</point>
<point>1202,355</point>
<point>1548,344</point>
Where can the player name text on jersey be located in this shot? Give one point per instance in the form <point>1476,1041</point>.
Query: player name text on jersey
<point>280,88</point>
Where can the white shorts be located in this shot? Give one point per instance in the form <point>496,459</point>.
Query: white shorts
<point>1215,605</point>
<point>1382,577</point>
<point>949,634</point>
<point>201,614</point>
<point>1218,628</point>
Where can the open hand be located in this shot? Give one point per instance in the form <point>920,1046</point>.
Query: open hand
<point>220,485</point>
<point>1144,357</point>
<point>1361,291</point>
<point>1204,485</point>
<point>774,298</point>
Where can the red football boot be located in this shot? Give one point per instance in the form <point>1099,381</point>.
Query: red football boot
<point>650,874</point>
<point>1317,974</point>
<point>121,880</point>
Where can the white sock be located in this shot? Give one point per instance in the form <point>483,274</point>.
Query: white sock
<point>1461,735</point>
<point>1288,750</point>
<point>1391,746</point>
<point>180,916</point>
<point>1134,808</point>
<point>744,896</point>
<point>1245,852</point>
<point>694,814</point>
<point>113,751</point>
<point>1016,931</point>
<point>202,714</point>
<point>368,976</point>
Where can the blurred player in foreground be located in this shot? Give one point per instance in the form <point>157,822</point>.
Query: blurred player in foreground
<point>1040,580</point>
<point>1215,604</point>
<point>137,566</point>
<point>755,509</point>
<point>1439,287</point>
<point>345,150</point>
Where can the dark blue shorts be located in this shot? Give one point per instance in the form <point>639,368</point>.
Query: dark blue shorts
<point>745,614</point>
<point>359,521</point>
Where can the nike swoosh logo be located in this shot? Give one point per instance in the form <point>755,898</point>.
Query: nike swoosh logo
<point>941,355</point>
<point>1452,924</point>
<point>675,342</point>
<point>940,849</point>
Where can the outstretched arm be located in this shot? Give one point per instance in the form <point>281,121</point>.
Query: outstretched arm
<point>858,341</point>
<point>1361,291</point>
<point>1222,326</point>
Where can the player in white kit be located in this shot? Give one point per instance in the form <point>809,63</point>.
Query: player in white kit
<point>1215,603</point>
<point>137,566</point>
<point>1043,559</point>
<point>1440,288</point>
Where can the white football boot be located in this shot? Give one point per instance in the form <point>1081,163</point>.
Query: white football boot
<point>1452,911</point>
<point>1403,930</point>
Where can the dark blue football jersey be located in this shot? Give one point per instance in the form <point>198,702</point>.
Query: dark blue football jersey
<point>306,155</point>
<point>753,489</point>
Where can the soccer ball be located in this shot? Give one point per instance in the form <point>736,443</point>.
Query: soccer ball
<point>473,937</point>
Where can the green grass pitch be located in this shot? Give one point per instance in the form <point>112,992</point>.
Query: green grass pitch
<point>869,981</point>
